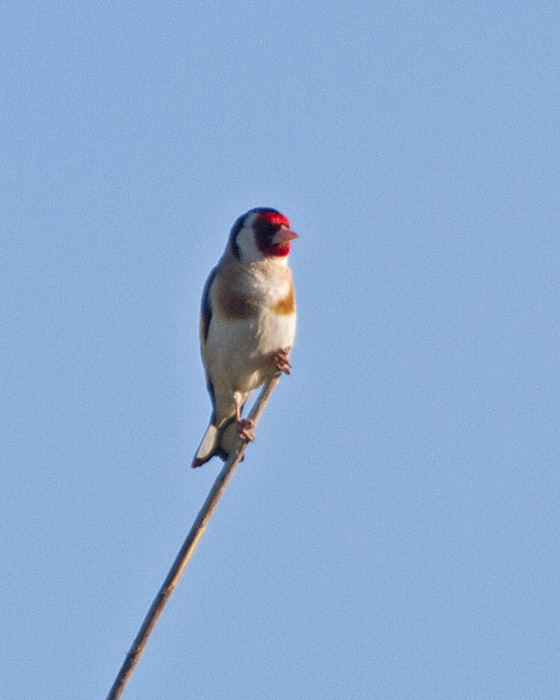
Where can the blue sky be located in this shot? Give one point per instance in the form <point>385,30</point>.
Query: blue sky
<point>393,532</point>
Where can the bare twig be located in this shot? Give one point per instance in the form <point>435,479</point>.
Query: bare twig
<point>188,547</point>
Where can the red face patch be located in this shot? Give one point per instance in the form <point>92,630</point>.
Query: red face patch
<point>266,225</point>
<point>274,219</point>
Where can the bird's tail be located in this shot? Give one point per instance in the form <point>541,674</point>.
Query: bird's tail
<point>216,442</point>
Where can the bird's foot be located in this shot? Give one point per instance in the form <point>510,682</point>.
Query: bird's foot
<point>245,429</point>
<point>281,362</point>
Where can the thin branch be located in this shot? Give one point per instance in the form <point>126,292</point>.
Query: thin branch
<point>188,547</point>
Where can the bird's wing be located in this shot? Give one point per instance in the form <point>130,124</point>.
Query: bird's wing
<point>206,308</point>
<point>205,319</point>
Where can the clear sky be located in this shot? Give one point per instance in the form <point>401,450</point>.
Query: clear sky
<point>393,532</point>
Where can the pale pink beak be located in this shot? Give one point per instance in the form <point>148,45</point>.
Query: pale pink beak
<point>283,235</point>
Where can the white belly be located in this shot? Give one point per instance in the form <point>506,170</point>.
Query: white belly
<point>238,354</point>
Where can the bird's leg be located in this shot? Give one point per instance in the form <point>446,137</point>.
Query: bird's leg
<point>244,425</point>
<point>281,362</point>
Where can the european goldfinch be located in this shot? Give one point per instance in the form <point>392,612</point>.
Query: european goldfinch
<point>247,325</point>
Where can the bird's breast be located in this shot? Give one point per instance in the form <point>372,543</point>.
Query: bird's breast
<point>287,304</point>
<point>245,294</point>
<point>234,305</point>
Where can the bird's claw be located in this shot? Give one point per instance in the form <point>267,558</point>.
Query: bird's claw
<point>245,429</point>
<point>281,362</point>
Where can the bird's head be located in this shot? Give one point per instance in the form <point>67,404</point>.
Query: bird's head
<point>260,234</point>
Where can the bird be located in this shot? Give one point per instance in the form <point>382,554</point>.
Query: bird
<point>247,324</point>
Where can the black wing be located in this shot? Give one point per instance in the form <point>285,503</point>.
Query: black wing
<point>206,308</point>
<point>205,318</point>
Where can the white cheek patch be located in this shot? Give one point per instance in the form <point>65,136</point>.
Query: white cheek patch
<point>247,246</point>
<point>245,240</point>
